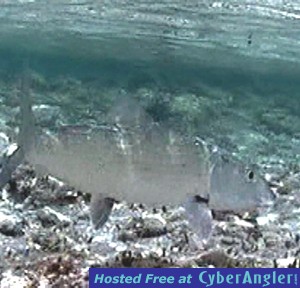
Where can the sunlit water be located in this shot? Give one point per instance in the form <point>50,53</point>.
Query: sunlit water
<point>246,47</point>
<point>253,43</point>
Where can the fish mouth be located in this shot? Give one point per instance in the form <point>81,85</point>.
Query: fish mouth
<point>272,196</point>
<point>268,201</point>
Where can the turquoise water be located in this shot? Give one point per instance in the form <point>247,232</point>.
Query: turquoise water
<point>225,70</point>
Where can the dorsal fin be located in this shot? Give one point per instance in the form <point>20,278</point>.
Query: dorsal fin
<point>26,137</point>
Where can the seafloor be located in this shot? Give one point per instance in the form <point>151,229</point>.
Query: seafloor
<point>45,231</point>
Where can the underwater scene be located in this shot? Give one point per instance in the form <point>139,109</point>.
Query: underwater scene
<point>147,134</point>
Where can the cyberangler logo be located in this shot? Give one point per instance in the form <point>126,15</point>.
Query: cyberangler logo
<point>211,278</point>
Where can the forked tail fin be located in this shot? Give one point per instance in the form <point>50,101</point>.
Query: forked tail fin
<point>15,153</point>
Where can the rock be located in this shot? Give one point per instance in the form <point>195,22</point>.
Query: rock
<point>266,219</point>
<point>46,115</point>
<point>146,227</point>
<point>50,217</point>
<point>47,219</point>
<point>4,142</point>
<point>152,227</point>
<point>271,239</point>
<point>290,262</point>
<point>228,240</point>
<point>291,182</point>
<point>125,236</point>
<point>9,280</point>
<point>10,225</point>
<point>216,258</point>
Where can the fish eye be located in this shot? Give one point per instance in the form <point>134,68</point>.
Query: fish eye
<point>250,175</point>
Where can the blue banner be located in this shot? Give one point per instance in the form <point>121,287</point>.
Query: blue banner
<point>189,277</point>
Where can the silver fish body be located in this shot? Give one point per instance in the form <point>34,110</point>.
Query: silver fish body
<point>149,175</point>
<point>150,166</point>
